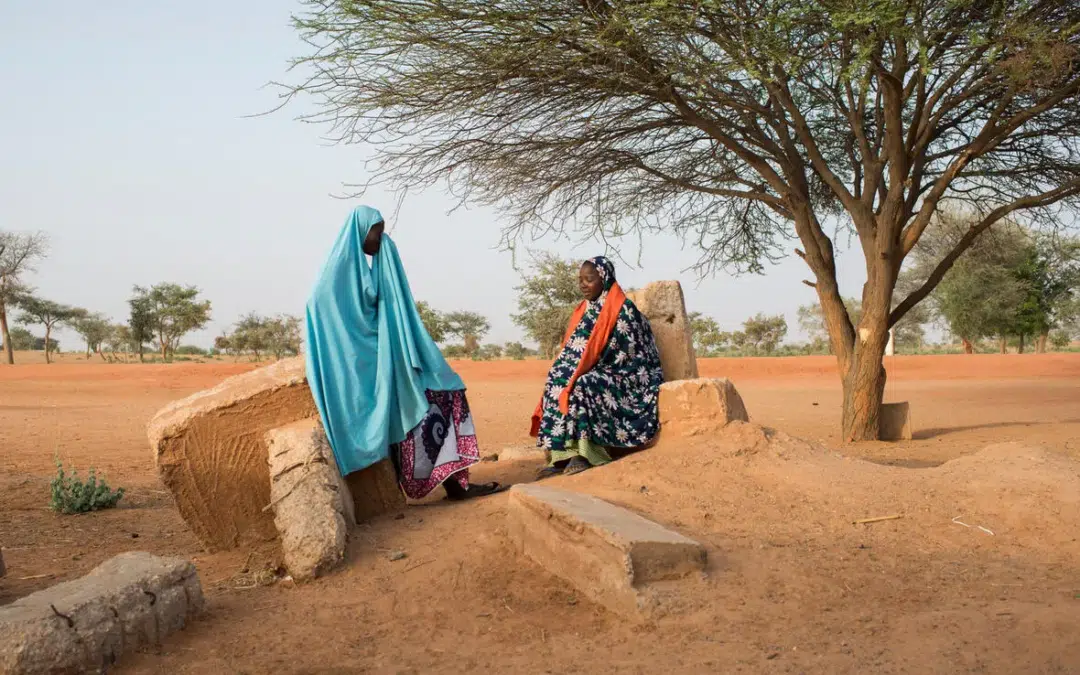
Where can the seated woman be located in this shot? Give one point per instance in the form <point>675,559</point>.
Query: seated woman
<point>602,391</point>
<point>379,381</point>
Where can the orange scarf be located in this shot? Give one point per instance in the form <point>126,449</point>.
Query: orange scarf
<point>598,340</point>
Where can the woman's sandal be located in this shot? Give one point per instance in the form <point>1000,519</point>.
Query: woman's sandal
<point>577,465</point>
<point>478,490</point>
<point>549,472</point>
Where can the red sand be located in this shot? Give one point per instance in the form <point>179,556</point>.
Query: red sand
<point>793,586</point>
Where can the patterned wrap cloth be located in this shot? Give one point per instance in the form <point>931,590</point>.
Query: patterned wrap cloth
<point>612,401</point>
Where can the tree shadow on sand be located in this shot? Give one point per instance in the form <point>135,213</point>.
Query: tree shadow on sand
<point>935,432</point>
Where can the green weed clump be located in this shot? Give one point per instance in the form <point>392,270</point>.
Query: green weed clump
<point>69,494</point>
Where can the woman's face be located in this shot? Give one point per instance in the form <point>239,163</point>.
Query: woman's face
<point>589,282</point>
<point>373,240</point>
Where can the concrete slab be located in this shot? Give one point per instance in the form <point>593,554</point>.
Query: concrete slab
<point>313,509</point>
<point>129,602</point>
<point>701,406</point>
<point>895,422</point>
<point>608,553</point>
<point>375,491</point>
<point>210,450</point>
<point>522,453</point>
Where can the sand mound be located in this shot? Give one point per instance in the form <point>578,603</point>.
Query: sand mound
<point>746,478</point>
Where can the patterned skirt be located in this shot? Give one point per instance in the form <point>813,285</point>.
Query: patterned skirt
<point>443,446</point>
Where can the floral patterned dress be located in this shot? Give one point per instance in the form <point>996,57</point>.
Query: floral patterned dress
<point>613,405</point>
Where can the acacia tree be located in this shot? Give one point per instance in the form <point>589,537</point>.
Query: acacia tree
<point>990,290</point>
<point>978,300</point>
<point>516,351</point>
<point>95,330</point>
<point>730,123</point>
<point>433,321</point>
<point>250,334</point>
<point>23,340</point>
<point>120,340</point>
<point>18,254</point>
<point>762,333</point>
<point>168,312</point>
<point>910,328</point>
<point>547,296</point>
<point>224,344</point>
<point>469,326</point>
<point>140,322</point>
<point>812,321</point>
<point>47,313</point>
<point>1057,266</point>
<point>708,338</point>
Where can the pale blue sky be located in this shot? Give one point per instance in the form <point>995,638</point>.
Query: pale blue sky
<point>124,137</point>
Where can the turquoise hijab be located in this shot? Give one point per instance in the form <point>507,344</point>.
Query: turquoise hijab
<point>370,361</point>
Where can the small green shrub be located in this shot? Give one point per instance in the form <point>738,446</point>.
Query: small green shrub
<point>71,495</point>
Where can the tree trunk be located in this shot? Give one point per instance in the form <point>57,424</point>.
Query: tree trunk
<point>164,351</point>
<point>48,332</point>
<point>860,353</point>
<point>1004,345</point>
<point>968,347</point>
<point>9,350</point>
<point>471,344</point>
<point>1020,348</point>
<point>864,391</point>
<point>1040,344</point>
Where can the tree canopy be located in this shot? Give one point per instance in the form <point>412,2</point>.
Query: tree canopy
<point>731,124</point>
<point>23,340</point>
<point>19,252</point>
<point>95,330</point>
<point>167,312</point>
<point>258,334</point>
<point>761,334</point>
<point>40,311</point>
<point>433,320</point>
<point>469,326</point>
<point>547,297</point>
<point>709,339</point>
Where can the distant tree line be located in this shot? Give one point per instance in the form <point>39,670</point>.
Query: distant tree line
<point>160,315</point>
<point>260,336</point>
<point>1013,287</point>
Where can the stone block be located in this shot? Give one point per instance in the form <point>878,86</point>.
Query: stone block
<point>522,453</point>
<point>131,601</point>
<point>608,553</point>
<point>312,507</point>
<point>375,491</point>
<point>895,422</point>
<point>210,451</point>
<point>663,305</point>
<point>693,407</point>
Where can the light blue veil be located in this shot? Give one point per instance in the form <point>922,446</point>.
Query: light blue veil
<point>369,358</point>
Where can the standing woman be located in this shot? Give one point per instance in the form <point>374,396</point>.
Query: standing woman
<point>380,383</point>
<point>603,389</point>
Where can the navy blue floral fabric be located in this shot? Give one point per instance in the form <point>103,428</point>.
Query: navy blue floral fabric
<point>614,404</point>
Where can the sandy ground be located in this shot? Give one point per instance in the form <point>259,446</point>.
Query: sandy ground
<point>793,586</point>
